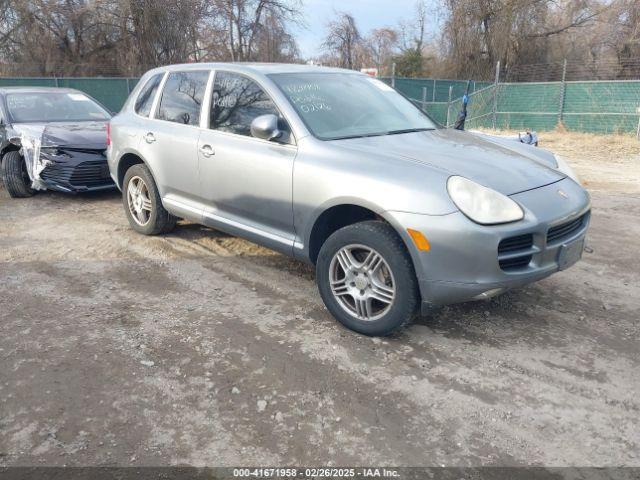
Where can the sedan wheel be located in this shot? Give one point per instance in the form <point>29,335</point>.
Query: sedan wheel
<point>15,176</point>
<point>139,201</point>
<point>362,282</point>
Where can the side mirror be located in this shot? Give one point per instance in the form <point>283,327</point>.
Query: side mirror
<point>266,127</point>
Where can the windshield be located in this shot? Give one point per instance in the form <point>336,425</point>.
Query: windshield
<point>53,107</point>
<point>345,105</point>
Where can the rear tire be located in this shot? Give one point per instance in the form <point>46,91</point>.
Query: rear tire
<point>15,176</point>
<point>366,278</point>
<point>142,204</point>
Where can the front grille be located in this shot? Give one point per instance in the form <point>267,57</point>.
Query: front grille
<point>93,173</point>
<point>515,252</point>
<point>515,263</point>
<point>58,172</point>
<point>90,151</point>
<point>511,244</point>
<point>518,254</point>
<point>565,230</point>
<point>90,174</point>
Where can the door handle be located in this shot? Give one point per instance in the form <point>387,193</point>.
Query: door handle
<point>207,150</point>
<point>149,137</point>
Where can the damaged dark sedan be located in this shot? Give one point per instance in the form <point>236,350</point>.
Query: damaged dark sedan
<point>52,139</point>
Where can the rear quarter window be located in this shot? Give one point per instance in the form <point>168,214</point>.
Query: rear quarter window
<point>147,94</point>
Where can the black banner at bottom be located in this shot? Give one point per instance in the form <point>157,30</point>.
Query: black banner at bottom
<point>402,473</point>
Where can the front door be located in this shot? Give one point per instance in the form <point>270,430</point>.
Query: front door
<point>246,182</point>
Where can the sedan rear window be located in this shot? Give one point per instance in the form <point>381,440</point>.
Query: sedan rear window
<point>54,107</point>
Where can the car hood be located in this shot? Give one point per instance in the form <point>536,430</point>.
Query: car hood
<point>81,135</point>
<point>500,167</point>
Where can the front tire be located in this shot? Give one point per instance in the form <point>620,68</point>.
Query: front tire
<point>366,278</point>
<point>15,176</point>
<point>142,204</point>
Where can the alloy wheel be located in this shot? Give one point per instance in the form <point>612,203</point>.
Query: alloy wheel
<point>138,201</point>
<point>362,282</point>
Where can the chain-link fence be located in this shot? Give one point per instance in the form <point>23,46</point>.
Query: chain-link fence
<point>432,89</point>
<point>588,106</point>
<point>617,69</point>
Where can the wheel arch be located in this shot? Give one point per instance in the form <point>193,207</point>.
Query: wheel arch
<point>125,162</point>
<point>10,147</point>
<point>339,214</point>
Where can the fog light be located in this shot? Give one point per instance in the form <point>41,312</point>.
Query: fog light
<point>489,293</point>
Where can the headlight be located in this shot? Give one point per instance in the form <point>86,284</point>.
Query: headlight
<point>564,167</point>
<point>481,204</point>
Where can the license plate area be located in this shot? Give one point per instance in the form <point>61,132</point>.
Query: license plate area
<point>570,253</point>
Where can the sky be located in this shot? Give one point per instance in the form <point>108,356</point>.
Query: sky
<point>368,14</point>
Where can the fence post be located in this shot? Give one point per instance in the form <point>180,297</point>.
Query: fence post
<point>433,93</point>
<point>55,81</point>
<point>495,95</point>
<point>393,75</point>
<point>424,98</point>
<point>128,86</point>
<point>449,103</point>
<point>563,87</point>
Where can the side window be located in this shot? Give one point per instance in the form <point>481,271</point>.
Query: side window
<point>236,101</point>
<point>147,94</point>
<point>182,97</point>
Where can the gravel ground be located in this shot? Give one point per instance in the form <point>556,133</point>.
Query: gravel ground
<point>203,349</point>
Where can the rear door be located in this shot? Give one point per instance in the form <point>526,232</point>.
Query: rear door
<point>169,142</point>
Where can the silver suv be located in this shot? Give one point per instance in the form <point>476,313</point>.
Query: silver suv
<point>337,169</point>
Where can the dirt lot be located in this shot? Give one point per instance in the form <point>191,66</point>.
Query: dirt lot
<point>200,348</point>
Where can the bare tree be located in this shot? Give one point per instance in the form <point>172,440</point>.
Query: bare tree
<point>599,38</point>
<point>273,42</point>
<point>413,32</point>
<point>413,40</point>
<point>380,46</point>
<point>97,37</point>
<point>477,34</point>
<point>627,29</point>
<point>244,21</point>
<point>164,31</point>
<point>68,34</point>
<point>342,40</point>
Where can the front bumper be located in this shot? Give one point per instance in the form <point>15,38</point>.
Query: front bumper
<point>76,173</point>
<point>464,262</point>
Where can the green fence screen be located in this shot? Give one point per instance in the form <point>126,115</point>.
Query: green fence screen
<point>598,106</point>
<point>431,89</point>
